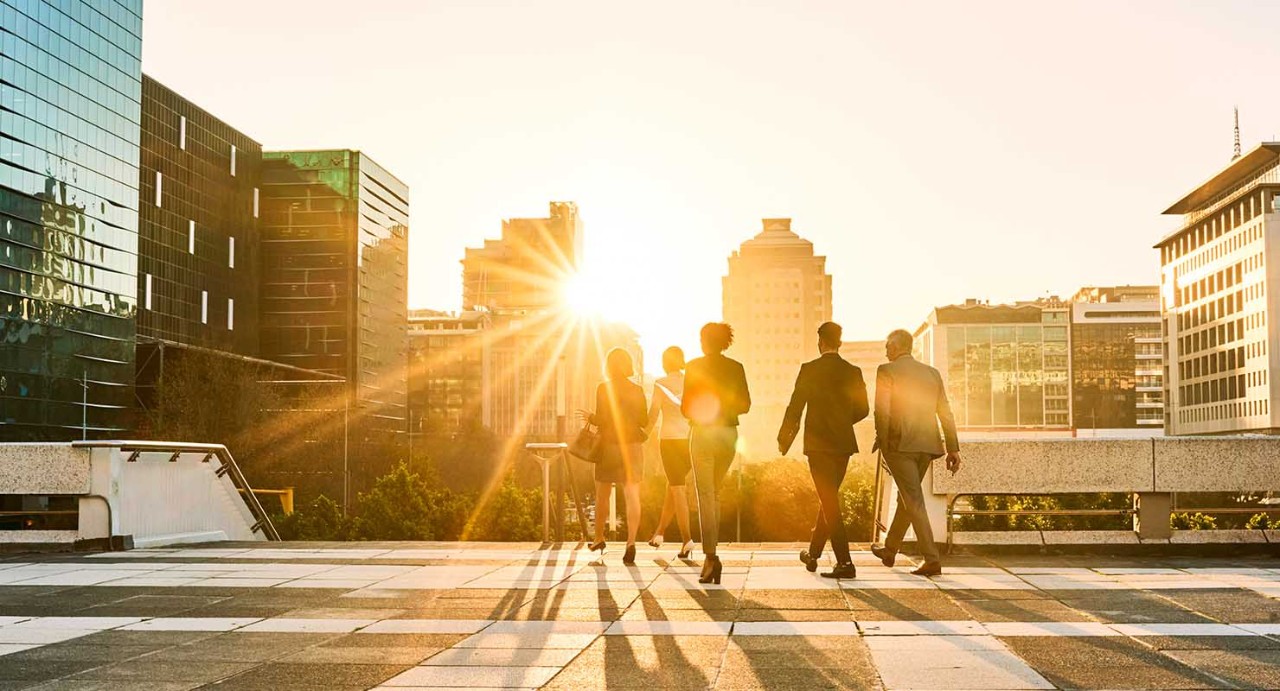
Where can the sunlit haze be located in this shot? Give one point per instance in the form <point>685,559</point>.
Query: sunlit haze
<point>932,151</point>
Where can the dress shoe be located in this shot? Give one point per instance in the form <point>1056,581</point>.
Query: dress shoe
<point>842,571</point>
<point>885,555</point>
<point>929,568</point>
<point>629,556</point>
<point>685,550</point>
<point>655,541</point>
<point>711,570</point>
<point>810,563</point>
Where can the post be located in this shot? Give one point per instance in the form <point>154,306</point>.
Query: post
<point>561,413</point>
<point>546,499</point>
<point>1151,515</point>
<point>346,475</point>
<point>84,404</point>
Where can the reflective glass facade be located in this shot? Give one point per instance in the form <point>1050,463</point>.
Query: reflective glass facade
<point>1112,389</point>
<point>70,102</point>
<point>334,228</point>
<point>197,234</point>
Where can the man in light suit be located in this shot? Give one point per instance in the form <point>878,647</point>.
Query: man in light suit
<point>911,404</point>
<point>836,398</point>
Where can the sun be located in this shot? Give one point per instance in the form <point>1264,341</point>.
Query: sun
<point>584,296</point>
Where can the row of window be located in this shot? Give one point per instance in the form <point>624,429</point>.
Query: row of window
<point>1214,391</point>
<point>147,294</point>
<point>1227,411</point>
<point>1213,363</point>
<point>1213,283</point>
<point>1221,224</point>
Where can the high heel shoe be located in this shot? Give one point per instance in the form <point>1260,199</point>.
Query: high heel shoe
<point>686,550</point>
<point>711,569</point>
<point>629,556</point>
<point>655,541</point>
<point>597,547</point>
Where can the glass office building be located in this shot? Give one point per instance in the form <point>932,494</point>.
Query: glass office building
<point>1117,358</point>
<point>70,107</point>
<point>197,231</point>
<point>334,227</point>
<point>1005,366</point>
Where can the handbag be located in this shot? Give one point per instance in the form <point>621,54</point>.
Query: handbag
<point>587,445</point>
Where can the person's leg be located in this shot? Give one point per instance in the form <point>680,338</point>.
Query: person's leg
<point>631,491</point>
<point>664,518</point>
<point>902,516</point>
<point>602,507</point>
<point>724,443</point>
<point>818,536</point>
<point>906,474</point>
<point>924,537</point>
<point>835,517</point>
<point>680,502</point>
<point>702,452</point>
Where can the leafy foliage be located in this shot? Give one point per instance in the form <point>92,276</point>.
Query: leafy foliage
<point>1192,521</point>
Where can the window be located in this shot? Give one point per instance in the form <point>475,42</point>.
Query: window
<point>146,300</point>
<point>233,160</point>
<point>191,237</point>
<point>182,132</point>
<point>231,314</point>
<point>255,202</point>
<point>231,252</point>
<point>204,307</point>
<point>159,186</point>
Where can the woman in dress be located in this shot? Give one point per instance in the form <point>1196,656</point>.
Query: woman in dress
<point>715,394</point>
<point>621,415</point>
<point>673,445</point>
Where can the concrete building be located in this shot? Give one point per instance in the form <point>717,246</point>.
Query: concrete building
<point>447,356</point>
<point>1116,361</point>
<point>69,116</point>
<point>334,227</point>
<point>1219,273</point>
<point>776,294</point>
<point>524,269</point>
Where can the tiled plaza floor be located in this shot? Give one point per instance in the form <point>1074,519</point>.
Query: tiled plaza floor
<point>412,615</point>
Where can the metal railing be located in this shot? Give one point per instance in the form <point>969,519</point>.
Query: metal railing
<point>227,466</point>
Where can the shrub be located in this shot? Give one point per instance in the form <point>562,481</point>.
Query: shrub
<point>401,506</point>
<point>1192,521</point>
<point>511,514</point>
<point>1259,521</point>
<point>321,519</point>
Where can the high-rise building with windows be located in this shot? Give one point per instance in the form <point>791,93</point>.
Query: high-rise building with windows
<point>1219,272</point>
<point>1006,367</point>
<point>197,232</point>
<point>776,294</point>
<point>334,228</point>
<point>447,357</point>
<point>69,119</point>
<point>524,269</point>
<point>1117,360</point>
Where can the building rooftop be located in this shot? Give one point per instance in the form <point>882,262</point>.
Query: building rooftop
<point>1237,171</point>
<point>393,615</point>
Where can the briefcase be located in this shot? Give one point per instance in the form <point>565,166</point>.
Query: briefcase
<point>587,445</point>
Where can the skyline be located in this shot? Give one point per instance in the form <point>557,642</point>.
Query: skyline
<point>922,146</point>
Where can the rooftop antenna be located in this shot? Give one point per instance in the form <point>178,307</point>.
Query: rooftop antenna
<point>1236,110</point>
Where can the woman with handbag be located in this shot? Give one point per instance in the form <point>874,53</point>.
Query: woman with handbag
<point>715,394</point>
<point>674,447</point>
<point>621,415</point>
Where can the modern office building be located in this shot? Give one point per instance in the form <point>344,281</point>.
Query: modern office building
<point>197,231</point>
<point>447,357</point>
<point>867,356</point>
<point>1219,272</point>
<point>1007,367</point>
<point>776,294</point>
<point>334,230</point>
<point>1116,360</point>
<point>69,128</point>
<point>526,268</point>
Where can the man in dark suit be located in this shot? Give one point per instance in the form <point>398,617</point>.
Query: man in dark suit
<point>911,404</point>
<point>836,397</point>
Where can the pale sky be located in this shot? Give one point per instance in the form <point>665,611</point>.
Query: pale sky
<point>932,151</point>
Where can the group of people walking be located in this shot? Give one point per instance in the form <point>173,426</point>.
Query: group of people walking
<point>699,404</point>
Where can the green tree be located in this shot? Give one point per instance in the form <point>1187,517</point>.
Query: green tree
<point>320,519</point>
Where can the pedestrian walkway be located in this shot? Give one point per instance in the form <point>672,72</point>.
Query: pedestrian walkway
<point>401,615</point>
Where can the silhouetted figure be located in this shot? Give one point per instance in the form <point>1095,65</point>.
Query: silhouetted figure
<point>715,394</point>
<point>911,403</point>
<point>836,398</point>
<point>673,444</point>
<point>621,416</point>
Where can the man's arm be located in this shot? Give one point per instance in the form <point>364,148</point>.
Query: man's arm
<point>884,399</point>
<point>744,404</point>
<point>791,419</point>
<point>860,406</point>
<point>945,417</point>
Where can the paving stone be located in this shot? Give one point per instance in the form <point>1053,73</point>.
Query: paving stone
<point>747,676</point>
<point>72,653</point>
<point>100,685</point>
<point>904,605</point>
<point>528,640</point>
<point>1133,607</point>
<point>826,628</point>
<point>396,640</point>
<point>1021,610</point>
<point>363,655</point>
<point>794,615</point>
<point>289,675</point>
<point>1251,669</point>
<point>16,669</point>
<point>1092,663</point>
<point>951,662</point>
<point>242,647</point>
<point>150,669</point>
<point>1233,606</point>
<point>1169,643</point>
<point>519,677</point>
<point>498,657</point>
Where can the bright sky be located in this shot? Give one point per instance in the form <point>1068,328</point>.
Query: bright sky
<point>932,151</point>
